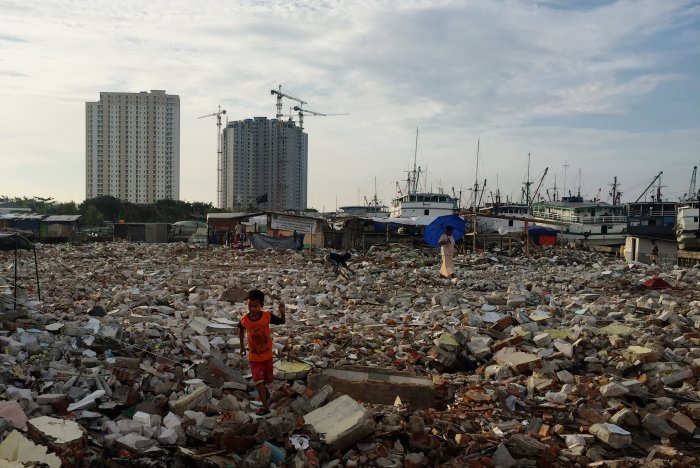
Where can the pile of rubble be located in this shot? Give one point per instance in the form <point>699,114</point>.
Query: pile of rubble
<point>564,358</point>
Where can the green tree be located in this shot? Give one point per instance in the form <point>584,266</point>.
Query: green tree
<point>92,216</point>
<point>109,206</point>
<point>67,208</point>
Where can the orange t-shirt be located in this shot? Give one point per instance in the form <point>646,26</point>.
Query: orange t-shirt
<point>258,334</point>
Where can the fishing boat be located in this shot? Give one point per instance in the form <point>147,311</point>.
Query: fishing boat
<point>365,211</point>
<point>584,222</point>
<point>688,226</point>
<point>510,209</point>
<point>420,206</point>
<point>515,210</point>
<point>371,209</point>
<point>655,219</point>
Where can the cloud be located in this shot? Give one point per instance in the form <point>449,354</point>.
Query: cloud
<point>458,70</point>
<point>7,38</point>
<point>12,73</point>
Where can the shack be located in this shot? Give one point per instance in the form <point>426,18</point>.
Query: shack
<point>142,232</point>
<point>306,225</point>
<point>194,232</point>
<point>59,228</point>
<point>25,223</point>
<point>360,233</point>
<point>224,227</point>
<point>639,248</point>
<point>11,207</point>
<point>15,242</point>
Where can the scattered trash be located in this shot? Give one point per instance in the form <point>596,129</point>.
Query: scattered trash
<point>560,358</point>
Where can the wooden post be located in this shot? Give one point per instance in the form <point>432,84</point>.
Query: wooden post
<point>474,233</point>
<point>527,239</point>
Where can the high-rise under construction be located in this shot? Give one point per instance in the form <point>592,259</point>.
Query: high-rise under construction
<point>264,165</point>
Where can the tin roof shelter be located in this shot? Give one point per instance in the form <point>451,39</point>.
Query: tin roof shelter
<point>13,241</point>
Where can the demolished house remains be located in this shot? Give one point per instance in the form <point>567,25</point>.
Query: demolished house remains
<point>563,358</point>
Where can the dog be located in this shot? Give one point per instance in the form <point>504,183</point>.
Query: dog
<point>339,260</point>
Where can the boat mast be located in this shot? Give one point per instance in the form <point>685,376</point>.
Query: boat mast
<point>578,193</point>
<point>375,200</point>
<point>615,193</point>
<point>476,177</point>
<point>414,188</point>
<point>527,182</point>
<point>497,201</point>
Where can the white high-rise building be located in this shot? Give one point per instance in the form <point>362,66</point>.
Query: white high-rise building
<point>264,164</point>
<point>132,146</point>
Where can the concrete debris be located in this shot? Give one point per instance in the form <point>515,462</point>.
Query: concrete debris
<point>558,359</point>
<point>612,435</point>
<point>18,449</point>
<point>342,422</point>
<point>12,412</point>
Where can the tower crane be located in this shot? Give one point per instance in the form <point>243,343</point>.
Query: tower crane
<point>278,92</point>
<point>219,158</point>
<point>278,189</point>
<point>303,112</point>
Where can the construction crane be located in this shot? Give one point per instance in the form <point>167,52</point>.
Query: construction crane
<point>219,159</point>
<point>279,189</point>
<point>278,92</point>
<point>302,112</point>
<point>691,189</point>
<point>648,186</point>
<point>537,190</point>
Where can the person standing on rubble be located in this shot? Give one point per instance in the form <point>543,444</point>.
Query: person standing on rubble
<point>654,252</point>
<point>447,252</point>
<point>256,324</point>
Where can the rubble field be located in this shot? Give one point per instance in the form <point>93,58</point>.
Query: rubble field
<point>562,358</point>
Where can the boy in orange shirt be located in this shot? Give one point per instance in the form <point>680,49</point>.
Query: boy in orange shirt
<point>256,324</point>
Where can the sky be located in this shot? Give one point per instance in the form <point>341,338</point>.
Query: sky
<point>589,89</point>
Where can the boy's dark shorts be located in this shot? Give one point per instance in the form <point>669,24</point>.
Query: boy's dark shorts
<point>262,371</point>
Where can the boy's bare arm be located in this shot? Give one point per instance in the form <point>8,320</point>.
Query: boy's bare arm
<point>241,337</point>
<point>282,309</point>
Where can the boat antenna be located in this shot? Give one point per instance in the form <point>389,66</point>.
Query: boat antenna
<point>578,193</point>
<point>566,166</point>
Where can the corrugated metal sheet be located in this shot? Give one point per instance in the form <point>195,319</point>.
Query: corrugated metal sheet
<point>18,216</point>
<point>231,215</point>
<point>61,218</point>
